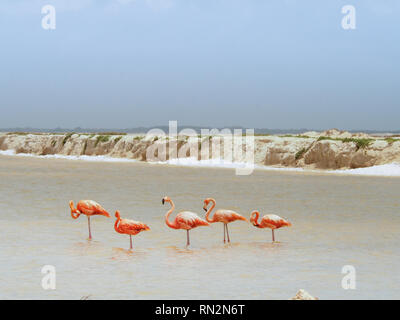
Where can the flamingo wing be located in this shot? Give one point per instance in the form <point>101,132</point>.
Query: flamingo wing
<point>275,221</point>
<point>90,207</point>
<point>226,216</point>
<point>188,220</point>
<point>132,227</point>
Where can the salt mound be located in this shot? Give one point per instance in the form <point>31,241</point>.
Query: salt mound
<point>303,295</point>
<point>333,133</point>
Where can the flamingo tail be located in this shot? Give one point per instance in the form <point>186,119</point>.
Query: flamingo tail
<point>103,212</point>
<point>201,222</point>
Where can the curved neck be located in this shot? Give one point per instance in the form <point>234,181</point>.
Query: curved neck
<point>255,220</point>
<point>116,223</point>
<point>74,211</point>
<point>209,211</point>
<point>170,224</point>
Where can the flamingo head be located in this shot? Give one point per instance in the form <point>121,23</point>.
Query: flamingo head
<point>206,202</point>
<point>254,217</point>
<point>165,199</point>
<point>73,209</point>
<point>117,215</point>
<point>75,213</point>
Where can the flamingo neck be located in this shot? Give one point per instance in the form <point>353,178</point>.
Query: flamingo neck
<point>255,219</point>
<point>116,223</point>
<point>209,211</point>
<point>74,211</point>
<point>170,224</point>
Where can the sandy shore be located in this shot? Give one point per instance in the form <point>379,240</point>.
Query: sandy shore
<point>331,149</point>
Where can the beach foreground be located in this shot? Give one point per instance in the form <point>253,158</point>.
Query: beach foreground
<point>337,221</point>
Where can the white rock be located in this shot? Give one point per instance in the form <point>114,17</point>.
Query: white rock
<point>303,295</point>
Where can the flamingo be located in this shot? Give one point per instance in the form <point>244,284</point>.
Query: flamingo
<point>184,220</point>
<point>130,227</point>
<point>271,221</point>
<point>222,215</point>
<point>88,207</point>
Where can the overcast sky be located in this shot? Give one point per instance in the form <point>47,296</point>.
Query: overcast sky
<point>253,63</point>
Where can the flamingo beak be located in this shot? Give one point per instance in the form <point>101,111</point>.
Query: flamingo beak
<point>163,201</point>
<point>205,209</point>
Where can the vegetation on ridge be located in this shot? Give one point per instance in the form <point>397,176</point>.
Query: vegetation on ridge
<point>101,139</point>
<point>361,143</point>
<point>390,140</point>
<point>299,153</point>
<point>295,136</point>
<point>67,136</point>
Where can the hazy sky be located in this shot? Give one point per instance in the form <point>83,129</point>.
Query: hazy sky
<point>254,63</point>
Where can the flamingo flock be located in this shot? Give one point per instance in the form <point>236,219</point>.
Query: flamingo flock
<point>185,220</point>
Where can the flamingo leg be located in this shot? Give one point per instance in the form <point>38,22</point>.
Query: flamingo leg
<point>227,232</point>
<point>187,237</point>
<point>131,241</point>
<point>273,236</point>
<point>90,233</point>
<point>224,231</point>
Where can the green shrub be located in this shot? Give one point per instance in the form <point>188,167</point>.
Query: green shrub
<point>18,133</point>
<point>361,143</point>
<point>390,140</point>
<point>67,136</point>
<point>257,134</point>
<point>300,153</point>
<point>112,133</point>
<point>101,139</point>
<point>295,136</point>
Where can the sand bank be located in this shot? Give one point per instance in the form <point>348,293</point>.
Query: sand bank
<point>328,150</point>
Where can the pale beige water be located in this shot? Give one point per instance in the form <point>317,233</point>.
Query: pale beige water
<point>337,220</point>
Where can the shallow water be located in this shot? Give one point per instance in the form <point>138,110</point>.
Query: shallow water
<point>337,221</point>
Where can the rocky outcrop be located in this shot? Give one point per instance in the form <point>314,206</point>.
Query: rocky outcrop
<point>336,154</point>
<point>331,149</point>
<point>285,152</point>
<point>303,295</point>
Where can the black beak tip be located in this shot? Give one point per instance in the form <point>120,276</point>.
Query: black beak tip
<point>205,209</point>
<point>162,201</point>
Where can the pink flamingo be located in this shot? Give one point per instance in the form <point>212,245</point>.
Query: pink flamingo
<point>184,220</point>
<point>131,227</point>
<point>271,221</point>
<point>89,208</point>
<point>222,215</point>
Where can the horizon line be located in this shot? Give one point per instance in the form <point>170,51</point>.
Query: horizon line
<point>139,129</point>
